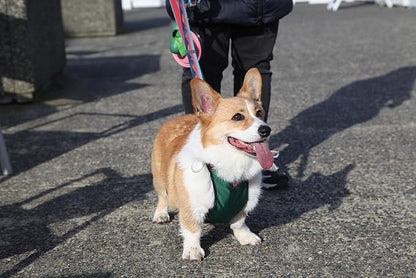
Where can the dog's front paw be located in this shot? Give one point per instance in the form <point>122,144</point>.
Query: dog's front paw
<point>161,217</point>
<point>193,253</point>
<point>247,237</point>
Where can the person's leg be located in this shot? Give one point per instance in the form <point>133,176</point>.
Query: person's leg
<point>253,47</point>
<point>186,91</point>
<point>214,59</point>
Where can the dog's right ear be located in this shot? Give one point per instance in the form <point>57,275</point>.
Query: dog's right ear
<point>251,88</point>
<point>204,98</point>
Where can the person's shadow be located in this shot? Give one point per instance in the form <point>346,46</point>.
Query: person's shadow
<point>26,226</point>
<point>356,103</point>
<point>353,104</point>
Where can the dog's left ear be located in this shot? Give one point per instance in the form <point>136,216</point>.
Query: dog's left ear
<point>252,85</point>
<point>204,98</point>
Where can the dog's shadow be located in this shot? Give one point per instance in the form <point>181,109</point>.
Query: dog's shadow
<point>317,191</point>
<point>277,207</point>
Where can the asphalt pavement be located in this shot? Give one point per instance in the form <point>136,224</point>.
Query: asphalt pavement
<point>343,114</point>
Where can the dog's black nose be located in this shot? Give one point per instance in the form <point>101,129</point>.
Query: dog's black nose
<point>264,130</point>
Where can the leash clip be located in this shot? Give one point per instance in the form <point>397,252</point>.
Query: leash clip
<point>191,3</point>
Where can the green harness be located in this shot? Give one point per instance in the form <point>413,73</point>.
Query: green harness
<point>229,199</point>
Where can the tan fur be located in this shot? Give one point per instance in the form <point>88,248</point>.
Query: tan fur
<point>220,122</point>
<point>167,176</point>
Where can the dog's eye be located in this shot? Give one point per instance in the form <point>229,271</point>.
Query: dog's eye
<point>259,114</point>
<point>238,117</point>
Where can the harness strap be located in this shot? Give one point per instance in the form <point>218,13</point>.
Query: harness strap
<point>229,199</point>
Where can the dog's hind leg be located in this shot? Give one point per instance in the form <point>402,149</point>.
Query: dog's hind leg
<point>161,214</point>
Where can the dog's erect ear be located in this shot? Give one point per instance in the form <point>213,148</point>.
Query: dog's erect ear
<point>252,85</point>
<point>204,98</point>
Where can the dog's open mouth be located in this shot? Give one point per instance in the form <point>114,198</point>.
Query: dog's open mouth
<point>260,149</point>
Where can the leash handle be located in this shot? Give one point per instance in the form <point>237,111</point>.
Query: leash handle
<point>181,18</point>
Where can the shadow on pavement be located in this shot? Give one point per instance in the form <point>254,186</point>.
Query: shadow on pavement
<point>46,145</point>
<point>356,103</point>
<point>84,80</point>
<point>280,207</point>
<point>353,104</point>
<point>318,190</point>
<point>27,223</point>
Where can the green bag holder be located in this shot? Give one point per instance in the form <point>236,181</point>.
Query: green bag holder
<point>176,44</point>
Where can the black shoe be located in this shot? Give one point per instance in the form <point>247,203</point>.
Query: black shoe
<point>275,180</point>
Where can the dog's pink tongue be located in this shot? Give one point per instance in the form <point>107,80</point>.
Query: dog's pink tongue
<point>263,154</point>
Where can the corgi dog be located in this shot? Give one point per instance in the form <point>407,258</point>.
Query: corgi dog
<point>225,137</point>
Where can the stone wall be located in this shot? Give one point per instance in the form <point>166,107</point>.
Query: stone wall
<point>32,48</point>
<point>92,18</point>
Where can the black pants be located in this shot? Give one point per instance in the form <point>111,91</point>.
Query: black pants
<point>250,47</point>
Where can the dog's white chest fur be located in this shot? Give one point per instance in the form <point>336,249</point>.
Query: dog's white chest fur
<point>197,179</point>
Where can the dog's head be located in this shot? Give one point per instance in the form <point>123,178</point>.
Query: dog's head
<point>233,126</point>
